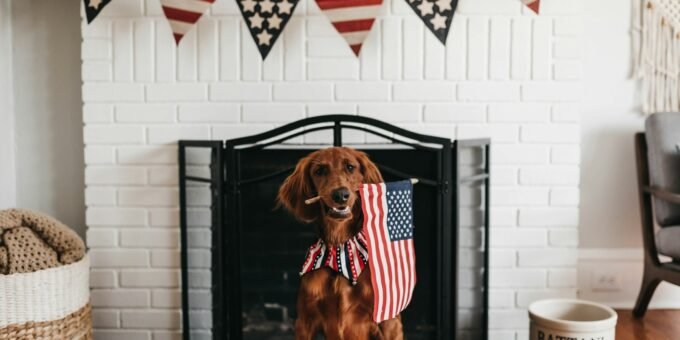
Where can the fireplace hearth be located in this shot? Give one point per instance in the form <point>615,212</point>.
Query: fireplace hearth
<point>241,256</point>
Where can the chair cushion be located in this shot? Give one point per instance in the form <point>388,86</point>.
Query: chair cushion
<point>661,132</point>
<point>668,242</point>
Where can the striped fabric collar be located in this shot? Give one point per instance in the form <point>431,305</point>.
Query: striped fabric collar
<point>349,260</point>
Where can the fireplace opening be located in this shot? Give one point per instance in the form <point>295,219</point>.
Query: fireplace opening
<point>241,256</point>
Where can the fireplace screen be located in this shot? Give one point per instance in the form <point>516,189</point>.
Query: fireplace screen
<point>241,256</point>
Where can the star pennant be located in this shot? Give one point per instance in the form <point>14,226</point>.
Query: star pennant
<point>436,14</point>
<point>93,8</point>
<point>353,19</point>
<point>535,5</point>
<point>266,19</point>
<point>183,14</point>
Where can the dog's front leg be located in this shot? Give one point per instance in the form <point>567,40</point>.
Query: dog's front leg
<point>304,330</point>
<point>392,329</point>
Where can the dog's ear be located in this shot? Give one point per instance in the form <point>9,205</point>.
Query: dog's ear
<point>368,169</point>
<point>297,188</point>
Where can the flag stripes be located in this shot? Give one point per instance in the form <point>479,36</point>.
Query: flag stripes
<point>183,14</point>
<point>392,260</point>
<point>535,5</point>
<point>353,19</point>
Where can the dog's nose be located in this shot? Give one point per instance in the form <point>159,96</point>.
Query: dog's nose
<point>340,195</point>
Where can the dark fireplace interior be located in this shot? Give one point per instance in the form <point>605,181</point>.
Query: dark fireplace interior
<point>242,256</point>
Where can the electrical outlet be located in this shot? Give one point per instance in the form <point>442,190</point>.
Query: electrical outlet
<point>606,282</point>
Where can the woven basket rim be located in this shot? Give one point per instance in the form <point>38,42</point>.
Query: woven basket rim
<point>69,266</point>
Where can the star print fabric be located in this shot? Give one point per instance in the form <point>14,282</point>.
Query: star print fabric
<point>436,14</point>
<point>266,19</point>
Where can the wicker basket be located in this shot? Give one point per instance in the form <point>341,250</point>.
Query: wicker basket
<point>47,304</point>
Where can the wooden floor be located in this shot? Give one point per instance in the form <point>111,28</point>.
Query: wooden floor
<point>656,325</point>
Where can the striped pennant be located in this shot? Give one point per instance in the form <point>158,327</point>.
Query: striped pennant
<point>535,5</point>
<point>183,14</point>
<point>353,19</point>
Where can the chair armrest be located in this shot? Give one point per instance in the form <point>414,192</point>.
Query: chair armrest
<point>663,194</point>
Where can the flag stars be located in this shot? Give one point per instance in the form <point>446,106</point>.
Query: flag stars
<point>275,22</point>
<point>438,22</point>
<point>443,5</point>
<point>264,38</point>
<point>426,8</point>
<point>256,21</point>
<point>267,6</point>
<point>285,7</point>
<point>248,5</point>
<point>95,4</point>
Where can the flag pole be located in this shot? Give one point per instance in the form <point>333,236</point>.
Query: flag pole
<point>317,198</point>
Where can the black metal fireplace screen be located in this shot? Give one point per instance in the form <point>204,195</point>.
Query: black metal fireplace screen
<point>240,257</point>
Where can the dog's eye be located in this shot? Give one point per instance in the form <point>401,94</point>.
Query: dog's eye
<point>349,167</point>
<point>320,171</point>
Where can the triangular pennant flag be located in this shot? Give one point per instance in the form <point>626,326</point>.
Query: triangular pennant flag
<point>353,19</point>
<point>535,5</point>
<point>436,14</point>
<point>266,19</point>
<point>183,14</point>
<point>93,8</point>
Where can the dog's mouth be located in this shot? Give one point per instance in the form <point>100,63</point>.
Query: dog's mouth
<point>339,212</point>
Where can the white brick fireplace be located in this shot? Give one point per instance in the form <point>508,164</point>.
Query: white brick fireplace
<point>506,73</point>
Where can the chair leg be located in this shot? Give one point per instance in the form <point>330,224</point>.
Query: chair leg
<point>649,284</point>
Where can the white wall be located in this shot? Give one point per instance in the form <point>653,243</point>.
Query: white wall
<point>7,144</point>
<point>48,108</point>
<point>506,73</point>
<point>610,232</point>
<point>611,115</point>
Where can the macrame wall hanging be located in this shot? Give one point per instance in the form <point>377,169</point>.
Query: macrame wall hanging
<point>657,54</point>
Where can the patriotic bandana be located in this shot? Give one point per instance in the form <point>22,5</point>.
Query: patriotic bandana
<point>349,260</point>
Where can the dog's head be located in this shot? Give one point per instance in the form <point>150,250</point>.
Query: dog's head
<point>334,174</point>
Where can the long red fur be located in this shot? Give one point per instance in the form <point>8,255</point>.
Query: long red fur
<point>327,303</point>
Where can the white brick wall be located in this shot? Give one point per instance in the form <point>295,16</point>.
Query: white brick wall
<point>505,73</point>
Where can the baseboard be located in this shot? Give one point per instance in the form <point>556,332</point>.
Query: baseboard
<point>624,267</point>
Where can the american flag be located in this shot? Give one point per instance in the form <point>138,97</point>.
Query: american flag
<point>388,225</point>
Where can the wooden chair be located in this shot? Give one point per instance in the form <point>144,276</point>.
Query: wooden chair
<point>658,169</point>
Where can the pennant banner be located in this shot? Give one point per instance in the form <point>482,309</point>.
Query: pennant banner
<point>436,15</point>
<point>183,14</point>
<point>535,5</point>
<point>353,19</point>
<point>93,8</point>
<point>266,19</point>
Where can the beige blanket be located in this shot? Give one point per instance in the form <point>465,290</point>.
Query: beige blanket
<point>31,241</point>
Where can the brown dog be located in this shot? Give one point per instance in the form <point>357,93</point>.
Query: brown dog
<point>327,302</point>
